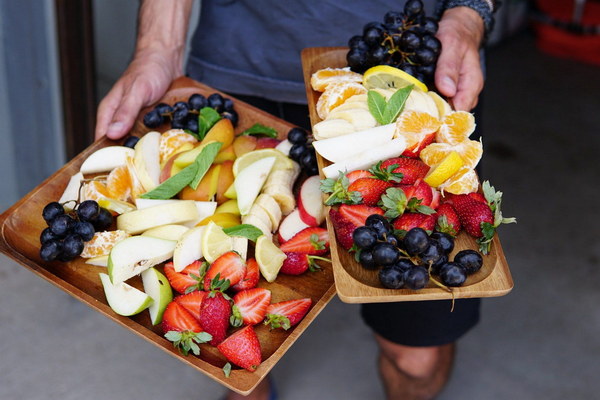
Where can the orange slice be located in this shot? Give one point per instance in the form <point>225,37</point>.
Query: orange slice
<point>463,182</point>
<point>417,128</point>
<point>118,184</point>
<point>136,186</point>
<point>94,190</point>
<point>336,94</point>
<point>323,77</point>
<point>171,141</point>
<point>469,150</point>
<point>102,243</point>
<point>456,127</point>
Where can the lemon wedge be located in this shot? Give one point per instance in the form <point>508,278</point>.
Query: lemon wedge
<point>387,77</point>
<point>269,257</point>
<point>444,170</point>
<point>215,242</point>
<point>281,160</point>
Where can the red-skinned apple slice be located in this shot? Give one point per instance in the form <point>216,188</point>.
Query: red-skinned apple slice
<point>310,202</point>
<point>291,225</point>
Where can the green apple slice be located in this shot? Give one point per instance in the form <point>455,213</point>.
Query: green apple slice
<point>157,287</point>
<point>188,248</point>
<point>124,299</point>
<point>133,255</point>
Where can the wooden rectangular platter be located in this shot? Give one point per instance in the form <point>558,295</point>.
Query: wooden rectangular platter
<point>355,284</point>
<point>21,225</point>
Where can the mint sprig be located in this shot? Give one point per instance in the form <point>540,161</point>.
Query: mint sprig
<point>386,112</point>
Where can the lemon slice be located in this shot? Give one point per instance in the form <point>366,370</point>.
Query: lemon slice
<point>387,77</point>
<point>445,169</point>
<point>215,242</point>
<point>269,257</point>
<point>281,160</point>
<point>118,206</point>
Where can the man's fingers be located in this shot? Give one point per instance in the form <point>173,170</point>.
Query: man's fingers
<point>132,102</point>
<point>106,111</point>
<point>470,83</point>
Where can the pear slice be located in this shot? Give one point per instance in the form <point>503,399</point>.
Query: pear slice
<point>168,232</point>
<point>135,254</point>
<point>71,193</point>
<point>176,212</point>
<point>106,159</point>
<point>157,287</point>
<point>124,299</point>
<point>342,147</point>
<point>250,180</point>
<point>188,248</point>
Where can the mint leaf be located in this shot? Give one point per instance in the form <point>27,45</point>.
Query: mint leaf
<point>174,184</point>
<point>395,104</point>
<point>206,119</point>
<point>377,105</point>
<point>244,230</point>
<point>204,161</point>
<point>260,129</point>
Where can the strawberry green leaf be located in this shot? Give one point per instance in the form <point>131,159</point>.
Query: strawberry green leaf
<point>316,243</point>
<point>339,191</point>
<point>386,174</point>
<point>236,318</point>
<point>278,321</point>
<point>227,370</point>
<point>393,202</point>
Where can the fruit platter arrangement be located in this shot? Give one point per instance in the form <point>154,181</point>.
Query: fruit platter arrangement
<point>408,217</point>
<point>203,232</point>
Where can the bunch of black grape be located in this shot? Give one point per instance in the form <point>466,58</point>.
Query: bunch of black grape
<point>410,261</point>
<point>184,114</point>
<point>404,40</point>
<point>302,151</point>
<point>66,233</point>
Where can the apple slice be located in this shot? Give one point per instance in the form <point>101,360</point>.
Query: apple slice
<point>106,159</point>
<point>71,193</point>
<point>124,299</point>
<point>250,181</point>
<point>136,254</point>
<point>138,221</point>
<point>158,288</point>
<point>146,160</point>
<point>100,261</point>
<point>342,147</point>
<point>393,148</point>
<point>188,248</point>
<point>284,146</point>
<point>310,202</point>
<point>291,225</point>
<point>167,232</point>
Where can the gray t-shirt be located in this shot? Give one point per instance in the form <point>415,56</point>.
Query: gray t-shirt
<point>252,47</point>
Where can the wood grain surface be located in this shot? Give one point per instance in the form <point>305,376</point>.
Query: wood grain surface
<point>355,284</point>
<point>22,224</point>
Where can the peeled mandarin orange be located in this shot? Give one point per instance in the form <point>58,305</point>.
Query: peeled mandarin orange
<point>463,182</point>
<point>469,150</point>
<point>417,128</point>
<point>102,243</point>
<point>323,77</point>
<point>94,190</point>
<point>136,186</point>
<point>456,127</point>
<point>171,141</point>
<point>336,94</point>
<point>118,184</point>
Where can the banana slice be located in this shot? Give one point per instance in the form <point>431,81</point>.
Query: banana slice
<point>283,196</point>
<point>332,128</point>
<point>349,106</point>
<point>360,118</point>
<point>357,98</point>
<point>261,214</point>
<point>268,203</point>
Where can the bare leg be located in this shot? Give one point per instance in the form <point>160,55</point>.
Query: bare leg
<point>261,392</point>
<point>414,373</point>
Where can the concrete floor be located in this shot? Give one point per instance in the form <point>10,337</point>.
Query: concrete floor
<point>541,341</point>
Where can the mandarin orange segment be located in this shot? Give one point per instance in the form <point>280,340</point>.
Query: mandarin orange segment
<point>102,243</point>
<point>118,184</point>
<point>418,122</point>
<point>324,77</point>
<point>469,150</point>
<point>456,127</point>
<point>171,141</point>
<point>136,186</point>
<point>94,190</point>
<point>463,182</point>
<point>336,94</point>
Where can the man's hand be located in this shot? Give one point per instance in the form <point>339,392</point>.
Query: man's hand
<point>458,73</point>
<point>144,82</point>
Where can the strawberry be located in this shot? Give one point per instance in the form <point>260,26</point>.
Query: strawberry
<point>181,328</point>
<point>478,196</point>
<point>447,220</point>
<point>250,306</point>
<point>229,266</point>
<point>358,214</point>
<point>410,220</point>
<point>298,263</point>
<point>313,241</point>
<point>286,314</point>
<point>479,219</point>
<point>216,311</point>
<point>242,348</point>
<point>410,168</point>
<point>250,278</point>
<point>189,279</point>
<point>396,201</point>
<point>343,228</point>
<point>192,302</point>
<point>359,173</point>
<point>370,189</point>
<point>419,190</point>
<point>414,150</point>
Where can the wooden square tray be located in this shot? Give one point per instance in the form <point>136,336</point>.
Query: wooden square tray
<point>21,225</point>
<point>355,284</point>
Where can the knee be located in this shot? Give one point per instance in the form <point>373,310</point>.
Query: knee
<point>419,362</point>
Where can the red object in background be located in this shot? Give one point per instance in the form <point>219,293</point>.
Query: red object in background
<point>559,35</point>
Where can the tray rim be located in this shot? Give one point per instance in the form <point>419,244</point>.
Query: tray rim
<point>240,381</point>
<point>348,288</point>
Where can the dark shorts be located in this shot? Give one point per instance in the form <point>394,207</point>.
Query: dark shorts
<point>422,323</point>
